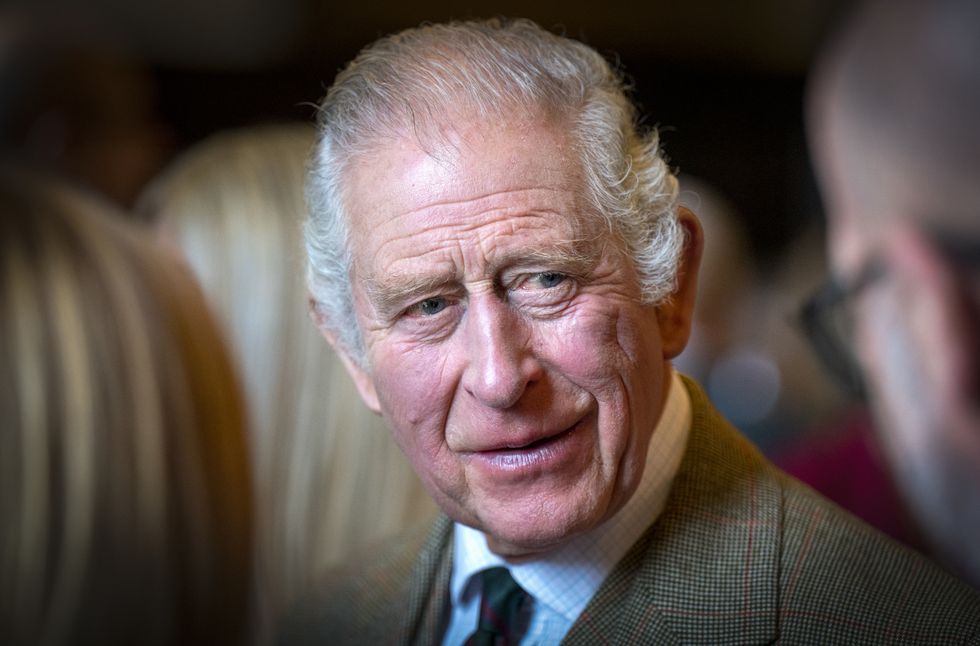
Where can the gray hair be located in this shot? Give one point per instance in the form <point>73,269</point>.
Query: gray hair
<point>412,81</point>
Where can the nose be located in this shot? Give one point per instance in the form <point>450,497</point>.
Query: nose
<point>501,363</point>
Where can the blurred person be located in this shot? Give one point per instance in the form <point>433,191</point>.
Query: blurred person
<point>329,478</point>
<point>125,497</point>
<point>834,451</point>
<point>497,253</point>
<point>893,127</point>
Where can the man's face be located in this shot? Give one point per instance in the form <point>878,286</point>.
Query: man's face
<point>915,327</point>
<point>506,343</point>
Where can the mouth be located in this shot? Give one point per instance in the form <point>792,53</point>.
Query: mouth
<point>518,456</point>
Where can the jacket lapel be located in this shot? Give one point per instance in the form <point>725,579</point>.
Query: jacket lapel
<point>707,569</point>
<point>425,618</point>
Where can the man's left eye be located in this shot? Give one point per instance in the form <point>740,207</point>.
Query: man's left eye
<point>550,279</point>
<point>431,306</point>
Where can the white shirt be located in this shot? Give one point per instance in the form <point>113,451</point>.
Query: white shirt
<point>562,582</point>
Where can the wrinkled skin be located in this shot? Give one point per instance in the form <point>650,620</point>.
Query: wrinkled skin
<point>507,346</point>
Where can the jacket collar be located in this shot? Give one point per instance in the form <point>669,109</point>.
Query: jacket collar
<point>424,620</point>
<point>709,567</point>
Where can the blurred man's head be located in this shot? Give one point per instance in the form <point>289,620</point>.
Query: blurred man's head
<point>894,109</point>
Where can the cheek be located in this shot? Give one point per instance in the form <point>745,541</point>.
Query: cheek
<point>600,348</point>
<point>882,342</point>
<point>583,346</point>
<point>902,394</point>
<point>601,352</point>
<point>415,388</point>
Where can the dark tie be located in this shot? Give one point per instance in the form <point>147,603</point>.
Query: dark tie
<point>499,605</point>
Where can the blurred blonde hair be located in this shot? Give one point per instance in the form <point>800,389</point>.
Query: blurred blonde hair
<point>124,485</point>
<point>329,477</point>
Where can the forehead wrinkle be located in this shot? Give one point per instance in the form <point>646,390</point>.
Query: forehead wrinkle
<point>474,200</point>
<point>446,214</point>
<point>448,235</point>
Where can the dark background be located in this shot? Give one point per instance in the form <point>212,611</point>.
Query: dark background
<point>722,79</point>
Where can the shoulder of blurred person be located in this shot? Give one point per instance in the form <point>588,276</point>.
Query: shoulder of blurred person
<point>126,498</point>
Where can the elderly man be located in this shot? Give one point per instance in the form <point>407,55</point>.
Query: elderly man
<point>496,253</point>
<point>894,126</point>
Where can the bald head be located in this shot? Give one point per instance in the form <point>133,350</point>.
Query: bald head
<point>894,112</point>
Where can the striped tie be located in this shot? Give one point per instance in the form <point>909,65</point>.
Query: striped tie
<point>499,606</point>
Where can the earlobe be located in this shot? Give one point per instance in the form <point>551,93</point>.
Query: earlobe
<point>675,314</point>
<point>362,379</point>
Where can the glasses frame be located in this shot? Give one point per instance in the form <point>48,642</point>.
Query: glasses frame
<point>816,313</point>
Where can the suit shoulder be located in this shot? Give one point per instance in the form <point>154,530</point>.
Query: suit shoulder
<point>827,576</point>
<point>836,571</point>
<point>352,603</point>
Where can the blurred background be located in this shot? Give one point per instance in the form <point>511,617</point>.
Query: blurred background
<point>110,92</point>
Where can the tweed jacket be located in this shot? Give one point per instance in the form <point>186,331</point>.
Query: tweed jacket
<point>742,554</point>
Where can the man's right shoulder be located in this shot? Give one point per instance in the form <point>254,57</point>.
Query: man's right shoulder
<point>368,599</point>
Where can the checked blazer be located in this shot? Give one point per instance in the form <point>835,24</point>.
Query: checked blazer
<point>742,554</point>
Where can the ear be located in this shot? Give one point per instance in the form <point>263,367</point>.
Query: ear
<point>675,313</point>
<point>362,378</point>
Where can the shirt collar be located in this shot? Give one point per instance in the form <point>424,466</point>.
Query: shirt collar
<point>566,578</point>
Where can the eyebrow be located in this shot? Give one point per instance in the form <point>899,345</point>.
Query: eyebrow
<point>394,292</point>
<point>573,257</point>
<point>391,293</point>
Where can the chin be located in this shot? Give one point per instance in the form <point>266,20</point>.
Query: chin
<point>517,547</point>
<point>529,534</point>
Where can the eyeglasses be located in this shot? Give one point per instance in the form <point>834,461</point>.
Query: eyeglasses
<point>828,323</point>
<point>827,317</point>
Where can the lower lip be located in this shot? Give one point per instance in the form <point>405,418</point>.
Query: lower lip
<point>547,455</point>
